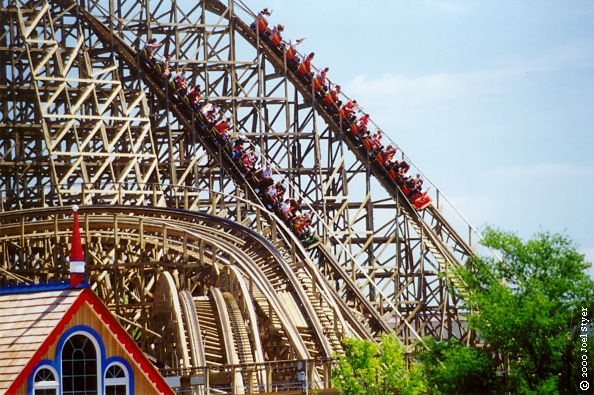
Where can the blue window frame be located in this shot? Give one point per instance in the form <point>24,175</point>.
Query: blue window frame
<point>81,367</point>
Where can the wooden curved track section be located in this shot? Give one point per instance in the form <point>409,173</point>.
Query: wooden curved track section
<point>194,289</point>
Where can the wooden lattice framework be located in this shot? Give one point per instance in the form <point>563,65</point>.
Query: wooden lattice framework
<point>81,123</point>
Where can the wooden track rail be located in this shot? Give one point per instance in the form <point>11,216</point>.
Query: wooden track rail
<point>190,245</point>
<point>132,58</point>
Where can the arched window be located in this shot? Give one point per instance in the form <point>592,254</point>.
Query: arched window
<point>116,380</point>
<point>45,381</point>
<point>79,366</point>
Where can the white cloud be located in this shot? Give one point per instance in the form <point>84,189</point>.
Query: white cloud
<point>406,90</point>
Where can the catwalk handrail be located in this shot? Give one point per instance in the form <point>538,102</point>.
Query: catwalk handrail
<point>439,195</point>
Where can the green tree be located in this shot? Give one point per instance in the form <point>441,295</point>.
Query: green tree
<point>528,306</point>
<point>374,369</point>
<point>454,368</point>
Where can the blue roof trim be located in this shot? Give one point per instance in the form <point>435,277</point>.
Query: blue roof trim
<point>52,285</point>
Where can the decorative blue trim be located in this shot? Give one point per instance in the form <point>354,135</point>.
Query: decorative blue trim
<point>51,285</point>
<point>89,332</point>
<point>43,362</point>
<point>102,360</point>
<point>129,372</point>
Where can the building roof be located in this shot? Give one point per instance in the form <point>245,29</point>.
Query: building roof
<point>32,318</point>
<point>26,320</point>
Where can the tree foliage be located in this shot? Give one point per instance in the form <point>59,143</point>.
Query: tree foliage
<point>374,369</point>
<point>528,305</point>
<point>454,368</point>
<point>528,309</point>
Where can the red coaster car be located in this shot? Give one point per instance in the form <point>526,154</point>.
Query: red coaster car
<point>276,39</point>
<point>368,144</point>
<point>381,158</point>
<point>421,201</point>
<point>393,174</point>
<point>262,25</point>
<point>290,54</point>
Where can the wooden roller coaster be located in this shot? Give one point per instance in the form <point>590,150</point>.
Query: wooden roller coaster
<point>183,250</point>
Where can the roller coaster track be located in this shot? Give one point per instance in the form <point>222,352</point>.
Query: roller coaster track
<point>222,327</point>
<point>389,280</point>
<point>133,60</point>
<point>438,248</point>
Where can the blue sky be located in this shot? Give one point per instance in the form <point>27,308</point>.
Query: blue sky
<point>493,100</point>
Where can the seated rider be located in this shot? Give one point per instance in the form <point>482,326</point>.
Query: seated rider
<point>419,198</point>
<point>261,21</point>
<point>165,59</point>
<point>385,156</point>
<point>408,186</point>
<point>195,92</point>
<point>290,51</point>
<point>319,82</point>
<point>403,168</point>
<point>332,96</point>
<point>248,160</point>
<point>223,127</point>
<point>236,142</point>
<point>305,67</point>
<point>346,111</point>
<point>295,207</point>
<point>162,64</point>
<point>264,177</point>
<point>166,73</point>
<point>210,112</point>
<point>289,207</point>
<point>285,208</point>
<point>418,188</point>
<point>151,46</point>
<point>359,127</point>
<point>376,141</point>
<point>275,192</point>
<point>195,95</point>
<point>301,225</point>
<point>180,82</point>
<point>275,35</point>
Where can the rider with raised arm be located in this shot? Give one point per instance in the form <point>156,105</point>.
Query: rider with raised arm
<point>291,52</point>
<point>151,46</point>
<point>261,23</point>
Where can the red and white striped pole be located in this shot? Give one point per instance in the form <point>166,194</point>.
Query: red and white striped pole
<point>77,259</point>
